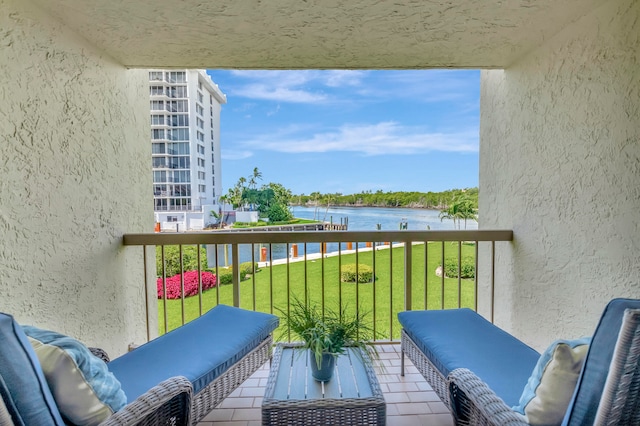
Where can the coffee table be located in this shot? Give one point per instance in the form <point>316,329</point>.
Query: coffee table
<point>293,397</point>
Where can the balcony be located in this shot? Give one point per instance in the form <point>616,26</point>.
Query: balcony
<point>397,258</point>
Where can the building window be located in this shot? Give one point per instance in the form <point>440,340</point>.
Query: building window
<point>172,218</point>
<point>200,122</point>
<point>200,98</point>
<point>177,92</point>
<point>202,188</point>
<point>213,183</point>
<point>157,105</point>
<point>178,120</point>
<point>213,169</point>
<point>179,134</point>
<point>200,85</point>
<point>180,148</point>
<point>157,134</point>
<point>177,106</point>
<point>156,90</point>
<point>201,149</point>
<point>181,177</point>
<point>157,120</point>
<point>176,77</point>
<point>159,177</point>
<point>200,162</point>
<point>201,175</point>
<point>155,76</point>
<point>200,137</point>
<point>157,148</point>
<point>181,191</point>
<point>158,162</point>
<point>180,162</point>
<point>199,109</point>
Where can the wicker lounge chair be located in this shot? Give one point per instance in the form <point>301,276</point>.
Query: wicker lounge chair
<point>175,379</point>
<point>607,392</point>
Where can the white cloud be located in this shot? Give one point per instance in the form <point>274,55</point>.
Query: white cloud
<point>230,154</point>
<point>370,139</point>
<point>295,86</point>
<point>278,94</point>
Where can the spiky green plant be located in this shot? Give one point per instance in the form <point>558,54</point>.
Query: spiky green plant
<point>330,332</point>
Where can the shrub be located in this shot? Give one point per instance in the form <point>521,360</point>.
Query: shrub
<point>226,274</point>
<point>190,284</point>
<point>172,259</point>
<point>248,268</point>
<point>467,270</point>
<point>348,273</point>
<point>278,213</point>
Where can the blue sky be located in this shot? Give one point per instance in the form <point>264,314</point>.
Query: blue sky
<point>351,131</point>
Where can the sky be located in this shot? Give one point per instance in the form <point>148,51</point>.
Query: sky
<point>349,131</point>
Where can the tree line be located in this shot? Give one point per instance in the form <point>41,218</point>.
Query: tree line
<point>427,200</point>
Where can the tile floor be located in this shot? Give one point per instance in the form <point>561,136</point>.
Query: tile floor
<point>410,399</point>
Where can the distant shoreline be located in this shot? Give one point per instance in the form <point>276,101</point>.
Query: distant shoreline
<point>411,206</point>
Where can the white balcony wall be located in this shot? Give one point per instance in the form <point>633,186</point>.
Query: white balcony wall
<point>560,165</point>
<point>75,177</point>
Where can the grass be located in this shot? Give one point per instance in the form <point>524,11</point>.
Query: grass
<point>383,298</point>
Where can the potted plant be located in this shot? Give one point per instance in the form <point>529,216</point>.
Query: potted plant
<point>326,335</point>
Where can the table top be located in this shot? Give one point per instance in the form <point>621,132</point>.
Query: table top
<point>290,377</point>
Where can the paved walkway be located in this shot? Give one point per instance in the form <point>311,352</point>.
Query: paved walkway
<point>410,400</point>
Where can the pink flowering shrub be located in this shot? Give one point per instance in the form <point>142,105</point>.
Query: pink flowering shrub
<point>209,280</point>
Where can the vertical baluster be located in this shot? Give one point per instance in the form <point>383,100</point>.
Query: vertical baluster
<point>426,272</point>
<point>408,253</point>
<point>321,279</point>
<point>373,264</point>
<point>199,281</point>
<point>390,290</point>
<point>146,291</point>
<point>493,276</point>
<point>181,282</point>
<point>271,278</point>
<point>442,280</point>
<point>164,289</point>
<point>253,273</point>
<point>459,273</point>
<point>235,267</point>
<point>475,280</point>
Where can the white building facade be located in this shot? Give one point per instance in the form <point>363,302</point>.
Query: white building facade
<point>185,138</point>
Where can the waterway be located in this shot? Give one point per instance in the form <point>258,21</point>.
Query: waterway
<point>358,219</point>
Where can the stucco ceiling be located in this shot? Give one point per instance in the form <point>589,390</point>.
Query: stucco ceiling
<point>292,34</point>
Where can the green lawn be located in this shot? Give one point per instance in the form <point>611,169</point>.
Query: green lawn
<point>272,287</point>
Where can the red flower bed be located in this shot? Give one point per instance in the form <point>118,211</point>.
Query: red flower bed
<point>209,280</point>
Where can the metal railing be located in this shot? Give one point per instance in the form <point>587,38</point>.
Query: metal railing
<point>401,262</point>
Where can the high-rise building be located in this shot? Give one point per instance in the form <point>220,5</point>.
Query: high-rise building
<point>185,140</point>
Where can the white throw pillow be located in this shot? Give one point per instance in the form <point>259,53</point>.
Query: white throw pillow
<point>548,392</point>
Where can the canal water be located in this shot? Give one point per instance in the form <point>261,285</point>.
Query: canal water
<point>358,219</point>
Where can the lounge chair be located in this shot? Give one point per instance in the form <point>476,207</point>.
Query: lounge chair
<point>480,371</point>
<point>175,379</point>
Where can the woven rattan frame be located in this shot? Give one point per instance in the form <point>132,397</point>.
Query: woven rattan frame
<point>431,374</point>
<point>345,411</point>
<point>621,394</point>
<point>475,404</point>
<point>212,395</point>
<point>165,404</point>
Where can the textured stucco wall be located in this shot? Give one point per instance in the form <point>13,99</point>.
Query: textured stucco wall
<point>560,165</point>
<point>74,169</point>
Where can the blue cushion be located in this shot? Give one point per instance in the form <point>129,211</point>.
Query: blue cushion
<point>20,371</point>
<point>200,350</point>
<point>85,391</point>
<point>461,338</point>
<point>584,405</point>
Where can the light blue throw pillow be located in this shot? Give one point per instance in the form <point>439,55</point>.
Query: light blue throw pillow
<point>548,392</point>
<point>85,391</point>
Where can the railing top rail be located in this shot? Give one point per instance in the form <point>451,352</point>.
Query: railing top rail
<point>265,237</point>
